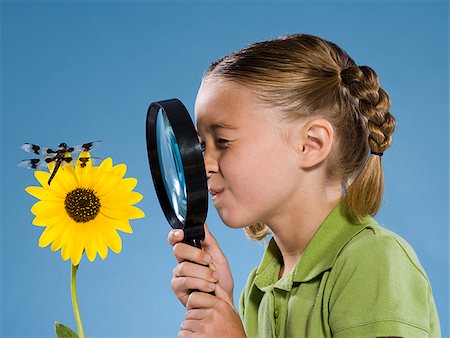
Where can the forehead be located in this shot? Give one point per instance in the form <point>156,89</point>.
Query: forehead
<point>221,103</point>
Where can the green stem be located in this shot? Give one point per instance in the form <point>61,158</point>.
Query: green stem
<point>76,310</point>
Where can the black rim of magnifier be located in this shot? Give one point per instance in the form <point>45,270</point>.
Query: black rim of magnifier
<point>193,167</point>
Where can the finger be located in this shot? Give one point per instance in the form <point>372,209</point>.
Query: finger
<point>175,236</point>
<point>211,246</point>
<point>189,269</point>
<point>184,285</point>
<point>190,325</point>
<point>185,252</point>
<point>196,314</point>
<point>201,300</point>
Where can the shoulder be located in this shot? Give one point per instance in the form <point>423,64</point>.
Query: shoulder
<point>377,284</point>
<point>380,249</point>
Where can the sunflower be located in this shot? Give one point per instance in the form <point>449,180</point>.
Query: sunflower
<point>83,208</point>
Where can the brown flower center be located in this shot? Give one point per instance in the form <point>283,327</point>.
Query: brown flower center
<point>82,205</point>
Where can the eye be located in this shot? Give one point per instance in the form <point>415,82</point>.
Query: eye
<point>202,145</point>
<point>222,142</point>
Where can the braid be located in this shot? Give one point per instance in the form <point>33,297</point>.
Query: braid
<point>364,195</point>
<point>362,83</point>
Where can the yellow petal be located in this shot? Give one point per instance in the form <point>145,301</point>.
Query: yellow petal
<point>126,185</point>
<point>102,247</point>
<point>67,246</point>
<point>92,180</point>
<point>48,221</point>
<point>42,177</point>
<point>113,238</point>
<point>96,236</point>
<point>65,178</point>
<point>65,227</point>
<point>118,200</point>
<point>65,252</point>
<point>48,235</point>
<point>62,256</point>
<point>83,169</point>
<point>42,194</point>
<point>127,212</point>
<point>51,166</point>
<point>119,224</point>
<point>106,164</point>
<point>107,176</point>
<point>123,225</point>
<point>47,209</point>
<point>106,184</point>
<point>115,213</point>
<point>118,170</point>
<point>77,244</point>
<point>89,241</point>
<point>54,246</point>
<point>134,212</point>
<point>61,240</point>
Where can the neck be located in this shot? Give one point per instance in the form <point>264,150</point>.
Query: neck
<point>293,230</point>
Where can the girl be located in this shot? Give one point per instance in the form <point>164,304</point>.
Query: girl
<point>293,134</point>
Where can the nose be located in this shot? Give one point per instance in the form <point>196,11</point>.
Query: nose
<point>211,163</point>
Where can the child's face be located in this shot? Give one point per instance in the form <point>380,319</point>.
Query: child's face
<point>251,163</point>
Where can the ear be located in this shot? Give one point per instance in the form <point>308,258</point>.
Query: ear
<point>316,141</point>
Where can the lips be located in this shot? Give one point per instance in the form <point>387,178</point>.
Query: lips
<point>215,192</point>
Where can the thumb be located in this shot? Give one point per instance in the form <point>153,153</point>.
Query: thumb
<point>211,246</point>
<point>222,294</point>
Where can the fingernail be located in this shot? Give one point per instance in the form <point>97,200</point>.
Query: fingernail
<point>177,233</point>
<point>216,275</point>
<point>212,286</point>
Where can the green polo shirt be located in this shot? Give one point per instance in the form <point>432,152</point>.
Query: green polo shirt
<point>352,280</point>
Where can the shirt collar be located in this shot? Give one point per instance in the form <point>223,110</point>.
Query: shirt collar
<point>319,255</point>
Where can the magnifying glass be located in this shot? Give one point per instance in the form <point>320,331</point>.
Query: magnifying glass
<point>177,167</point>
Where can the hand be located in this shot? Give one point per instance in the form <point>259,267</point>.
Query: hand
<point>210,316</point>
<point>193,271</point>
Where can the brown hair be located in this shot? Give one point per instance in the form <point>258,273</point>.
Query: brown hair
<point>307,76</point>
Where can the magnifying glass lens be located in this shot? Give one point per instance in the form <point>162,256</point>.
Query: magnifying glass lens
<point>171,165</point>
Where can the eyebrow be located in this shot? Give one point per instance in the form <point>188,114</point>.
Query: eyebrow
<point>213,127</point>
<point>216,126</point>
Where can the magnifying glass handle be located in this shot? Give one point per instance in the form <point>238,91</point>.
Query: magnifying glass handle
<point>194,242</point>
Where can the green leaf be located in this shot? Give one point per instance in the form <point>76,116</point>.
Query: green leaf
<point>63,331</point>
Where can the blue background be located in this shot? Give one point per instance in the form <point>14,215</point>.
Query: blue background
<point>84,71</point>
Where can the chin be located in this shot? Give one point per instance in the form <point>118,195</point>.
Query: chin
<point>232,221</point>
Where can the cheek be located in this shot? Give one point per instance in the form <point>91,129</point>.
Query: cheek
<point>260,173</point>
<point>259,179</point>
<point>241,169</point>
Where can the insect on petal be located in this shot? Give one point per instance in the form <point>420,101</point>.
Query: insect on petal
<point>83,169</point>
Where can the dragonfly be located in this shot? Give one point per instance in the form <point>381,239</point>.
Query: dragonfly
<point>62,155</point>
